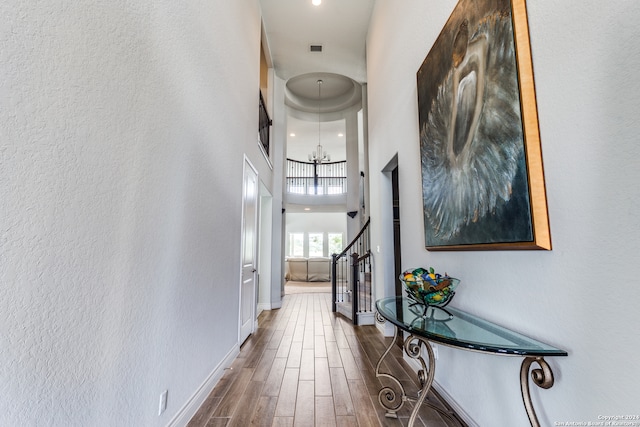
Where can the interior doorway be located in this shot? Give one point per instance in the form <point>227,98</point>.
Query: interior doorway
<point>390,266</point>
<point>395,196</point>
<point>247,314</point>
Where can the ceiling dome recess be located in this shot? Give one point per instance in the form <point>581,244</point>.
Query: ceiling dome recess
<point>338,92</point>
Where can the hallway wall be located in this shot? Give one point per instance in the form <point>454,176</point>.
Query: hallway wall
<point>123,126</point>
<point>582,295</point>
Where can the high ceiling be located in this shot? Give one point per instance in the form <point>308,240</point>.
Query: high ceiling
<point>339,26</point>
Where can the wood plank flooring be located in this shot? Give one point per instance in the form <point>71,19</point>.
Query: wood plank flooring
<point>307,366</point>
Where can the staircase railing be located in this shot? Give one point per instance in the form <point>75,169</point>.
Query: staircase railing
<point>351,276</point>
<point>314,178</point>
<point>264,123</point>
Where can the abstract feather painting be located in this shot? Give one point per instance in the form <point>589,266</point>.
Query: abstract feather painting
<point>482,176</point>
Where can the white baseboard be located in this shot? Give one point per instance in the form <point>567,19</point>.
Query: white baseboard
<point>443,393</point>
<point>387,329</point>
<point>454,405</point>
<point>194,403</point>
<point>366,318</point>
<point>345,311</point>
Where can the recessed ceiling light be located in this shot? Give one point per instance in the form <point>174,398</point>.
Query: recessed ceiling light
<point>316,2</point>
<point>292,134</point>
<point>307,209</point>
<point>341,134</point>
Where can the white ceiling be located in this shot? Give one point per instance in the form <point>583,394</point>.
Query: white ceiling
<point>302,139</point>
<point>340,26</point>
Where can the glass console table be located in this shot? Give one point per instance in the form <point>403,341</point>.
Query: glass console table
<point>455,328</point>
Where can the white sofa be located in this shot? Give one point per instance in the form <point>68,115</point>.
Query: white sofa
<point>308,269</point>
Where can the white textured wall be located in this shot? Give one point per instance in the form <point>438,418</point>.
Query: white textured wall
<point>122,131</point>
<point>583,295</point>
<point>278,133</point>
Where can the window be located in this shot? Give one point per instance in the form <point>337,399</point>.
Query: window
<point>335,243</point>
<point>316,245</point>
<point>335,189</point>
<point>296,244</point>
<point>296,189</point>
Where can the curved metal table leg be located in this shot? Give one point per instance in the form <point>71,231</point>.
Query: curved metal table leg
<point>413,350</point>
<point>542,377</point>
<point>388,398</point>
<point>393,401</point>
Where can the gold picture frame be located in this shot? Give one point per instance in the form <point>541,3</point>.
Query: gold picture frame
<point>481,158</point>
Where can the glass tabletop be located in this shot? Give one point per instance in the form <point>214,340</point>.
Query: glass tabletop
<point>456,328</point>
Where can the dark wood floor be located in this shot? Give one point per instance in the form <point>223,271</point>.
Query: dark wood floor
<point>307,366</point>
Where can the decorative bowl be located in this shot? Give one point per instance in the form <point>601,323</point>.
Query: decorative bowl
<point>425,286</point>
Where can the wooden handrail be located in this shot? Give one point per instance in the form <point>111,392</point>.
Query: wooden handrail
<point>364,228</point>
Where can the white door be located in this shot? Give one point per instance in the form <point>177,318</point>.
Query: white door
<point>249,250</point>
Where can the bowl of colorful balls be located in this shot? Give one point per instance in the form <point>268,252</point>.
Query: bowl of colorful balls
<point>425,286</point>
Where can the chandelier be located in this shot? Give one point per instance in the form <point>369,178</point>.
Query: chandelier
<point>319,155</point>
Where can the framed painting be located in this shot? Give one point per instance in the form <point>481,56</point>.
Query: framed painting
<point>482,174</point>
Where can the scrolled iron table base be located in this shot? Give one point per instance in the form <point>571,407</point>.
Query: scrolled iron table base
<point>393,399</point>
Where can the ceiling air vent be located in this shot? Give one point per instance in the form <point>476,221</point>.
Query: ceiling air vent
<point>315,48</point>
